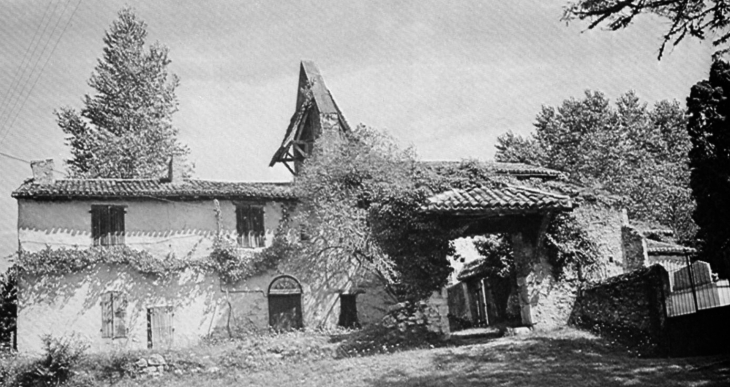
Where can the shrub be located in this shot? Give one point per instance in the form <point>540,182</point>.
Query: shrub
<point>56,366</point>
<point>8,308</point>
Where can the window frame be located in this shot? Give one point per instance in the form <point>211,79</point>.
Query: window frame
<point>250,224</point>
<point>113,315</point>
<point>108,226</point>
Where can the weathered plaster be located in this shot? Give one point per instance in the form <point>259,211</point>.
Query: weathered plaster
<point>70,304</point>
<point>602,223</point>
<point>60,305</point>
<point>185,229</point>
<point>546,301</point>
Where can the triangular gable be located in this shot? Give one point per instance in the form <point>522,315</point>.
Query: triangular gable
<point>305,125</point>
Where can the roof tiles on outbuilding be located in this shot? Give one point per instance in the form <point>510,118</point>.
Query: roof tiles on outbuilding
<point>663,248</point>
<point>497,168</point>
<point>508,199</point>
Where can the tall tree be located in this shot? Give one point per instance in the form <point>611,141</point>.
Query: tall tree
<point>626,149</point>
<point>696,18</point>
<point>710,164</point>
<point>125,130</point>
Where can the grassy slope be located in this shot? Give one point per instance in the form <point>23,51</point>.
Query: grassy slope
<point>563,358</point>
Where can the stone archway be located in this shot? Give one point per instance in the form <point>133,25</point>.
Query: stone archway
<point>524,214</point>
<point>285,303</point>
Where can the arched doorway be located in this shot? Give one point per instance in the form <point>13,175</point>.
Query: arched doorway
<point>285,303</point>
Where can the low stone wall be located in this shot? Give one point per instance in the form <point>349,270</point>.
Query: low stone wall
<point>628,307</point>
<point>431,313</point>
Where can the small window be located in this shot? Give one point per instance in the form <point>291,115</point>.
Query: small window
<point>250,225</point>
<point>113,312</point>
<point>107,225</point>
<point>159,327</point>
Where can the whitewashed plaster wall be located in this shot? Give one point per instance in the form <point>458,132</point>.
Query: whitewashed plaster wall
<point>185,229</point>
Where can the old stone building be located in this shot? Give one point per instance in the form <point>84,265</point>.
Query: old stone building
<point>112,305</point>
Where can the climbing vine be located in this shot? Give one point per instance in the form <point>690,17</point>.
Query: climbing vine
<point>234,264</point>
<point>568,244</point>
<point>51,261</point>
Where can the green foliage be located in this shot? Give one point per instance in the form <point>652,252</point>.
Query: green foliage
<point>626,149</point>
<point>698,19</point>
<point>64,261</point>
<point>234,263</point>
<point>56,366</point>
<point>360,196</point>
<point>568,245</point>
<point>8,306</point>
<point>231,262</point>
<point>125,130</point>
<point>496,250</point>
<point>710,164</point>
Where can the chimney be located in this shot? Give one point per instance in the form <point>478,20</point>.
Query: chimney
<point>175,170</point>
<point>42,171</point>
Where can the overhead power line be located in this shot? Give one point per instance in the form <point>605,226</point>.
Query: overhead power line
<point>20,73</point>
<point>7,128</point>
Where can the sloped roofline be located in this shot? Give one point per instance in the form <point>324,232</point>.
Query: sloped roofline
<point>188,189</point>
<point>319,100</point>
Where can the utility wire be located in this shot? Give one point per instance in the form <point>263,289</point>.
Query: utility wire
<point>65,27</point>
<point>21,69</point>
<point>22,81</point>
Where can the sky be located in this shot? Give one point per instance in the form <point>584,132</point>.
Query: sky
<point>445,77</point>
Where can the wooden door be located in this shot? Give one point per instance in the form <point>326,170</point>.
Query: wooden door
<point>285,311</point>
<point>285,303</point>
<point>159,327</point>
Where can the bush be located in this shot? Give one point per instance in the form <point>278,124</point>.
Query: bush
<point>56,366</point>
<point>8,308</point>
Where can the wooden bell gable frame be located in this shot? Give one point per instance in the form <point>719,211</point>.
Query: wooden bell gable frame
<point>314,101</point>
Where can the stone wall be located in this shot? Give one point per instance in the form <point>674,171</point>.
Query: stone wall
<point>629,307</point>
<point>431,313</point>
<point>634,248</point>
<point>602,222</point>
<point>547,297</point>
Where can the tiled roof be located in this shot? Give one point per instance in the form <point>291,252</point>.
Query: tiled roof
<point>508,199</point>
<point>513,169</point>
<point>152,188</point>
<point>663,248</point>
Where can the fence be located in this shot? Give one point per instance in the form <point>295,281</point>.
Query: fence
<point>693,289</point>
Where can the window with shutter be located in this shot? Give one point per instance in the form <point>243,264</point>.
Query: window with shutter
<point>106,315</point>
<point>107,225</point>
<point>250,225</point>
<point>113,313</point>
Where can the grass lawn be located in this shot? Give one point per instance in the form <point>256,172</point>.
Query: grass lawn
<point>561,358</point>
